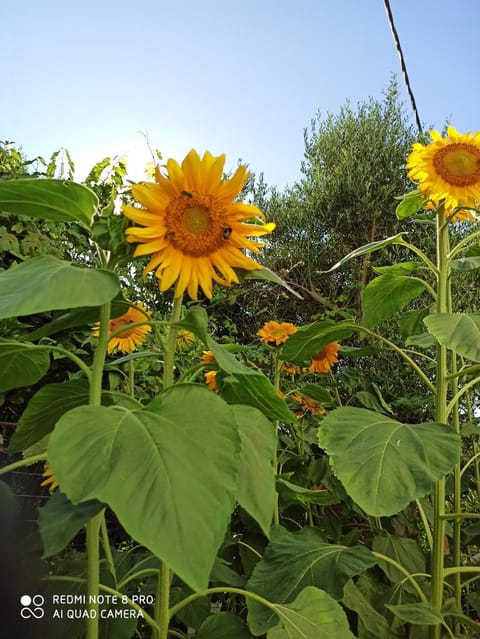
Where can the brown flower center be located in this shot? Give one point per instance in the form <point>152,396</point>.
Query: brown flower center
<point>196,224</point>
<point>458,164</point>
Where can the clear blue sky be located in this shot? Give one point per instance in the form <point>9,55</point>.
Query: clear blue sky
<point>243,78</point>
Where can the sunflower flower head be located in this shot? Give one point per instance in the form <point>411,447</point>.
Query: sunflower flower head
<point>49,480</point>
<point>323,361</point>
<point>276,332</point>
<point>291,369</point>
<point>184,339</point>
<point>308,405</point>
<point>128,340</point>
<point>448,169</point>
<point>210,380</point>
<point>207,358</point>
<point>192,227</point>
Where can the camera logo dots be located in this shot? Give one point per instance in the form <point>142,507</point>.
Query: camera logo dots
<point>32,607</point>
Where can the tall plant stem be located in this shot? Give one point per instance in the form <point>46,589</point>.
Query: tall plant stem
<point>457,491</point>
<point>94,524</point>
<point>162,599</point>
<point>276,385</point>
<point>442,306</point>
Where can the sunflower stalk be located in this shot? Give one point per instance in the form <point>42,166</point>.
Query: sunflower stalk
<point>95,523</point>
<point>276,385</point>
<point>443,305</point>
<point>162,599</point>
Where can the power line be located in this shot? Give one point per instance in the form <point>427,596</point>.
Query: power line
<point>396,40</point>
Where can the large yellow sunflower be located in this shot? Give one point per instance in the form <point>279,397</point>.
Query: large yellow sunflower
<point>448,169</point>
<point>191,226</point>
<point>128,340</point>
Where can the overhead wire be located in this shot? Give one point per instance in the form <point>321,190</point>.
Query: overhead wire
<point>403,65</point>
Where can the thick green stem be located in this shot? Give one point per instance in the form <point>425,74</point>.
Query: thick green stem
<point>457,491</point>
<point>162,600</point>
<point>93,526</point>
<point>93,573</point>
<point>442,306</point>
<point>276,385</point>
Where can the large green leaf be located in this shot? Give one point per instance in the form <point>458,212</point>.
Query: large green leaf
<point>169,472</point>
<point>256,477</point>
<point>45,409</point>
<point>374,623</point>
<point>45,283</point>
<point>382,463</point>
<point>244,385</point>
<point>293,561</point>
<point>366,249</point>
<point>404,551</point>
<point>21,364</point>
<point>256,390</point>
<point>417,613</point>
<point>313,615</point>
<point>223,625</point>
<point>458,331</point>
<point>309,340</point>
<point>76,317</point>
<point>388,294</point>
<point>57,200</point>
<point>59,521</point>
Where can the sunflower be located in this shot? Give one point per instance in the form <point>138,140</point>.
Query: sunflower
<point>50,480</point>
<point>323,361</point>
<point>276,332</point>
<point>210,380</point>
<point>308,405</point>
<point>207,357</point>
<point>292,369</point>
<point>128,340</point>
<point>448,169</point>
<point>191,226</point>
<point>184,339</point>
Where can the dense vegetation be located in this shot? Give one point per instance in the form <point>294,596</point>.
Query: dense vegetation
<point>246,492</point>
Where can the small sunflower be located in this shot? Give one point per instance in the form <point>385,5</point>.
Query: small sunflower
<point>210,380</point>
<point>128,340</point>
<point>184,339</point>
<point>50,480</point>
<point>448,169</point>
<point>191,226</point>
<point>308,405</point>
<point>276,332</point>
<point>207,357</point>
<point>291,369</point>
<point>323,361</point>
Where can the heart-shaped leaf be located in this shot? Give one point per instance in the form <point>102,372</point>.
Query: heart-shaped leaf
<point>313,615</point>
<point>382,463</point>
<point>293,561</point>
<point>58,200</point>
<point>169,472</point>
<point>46,283</point>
